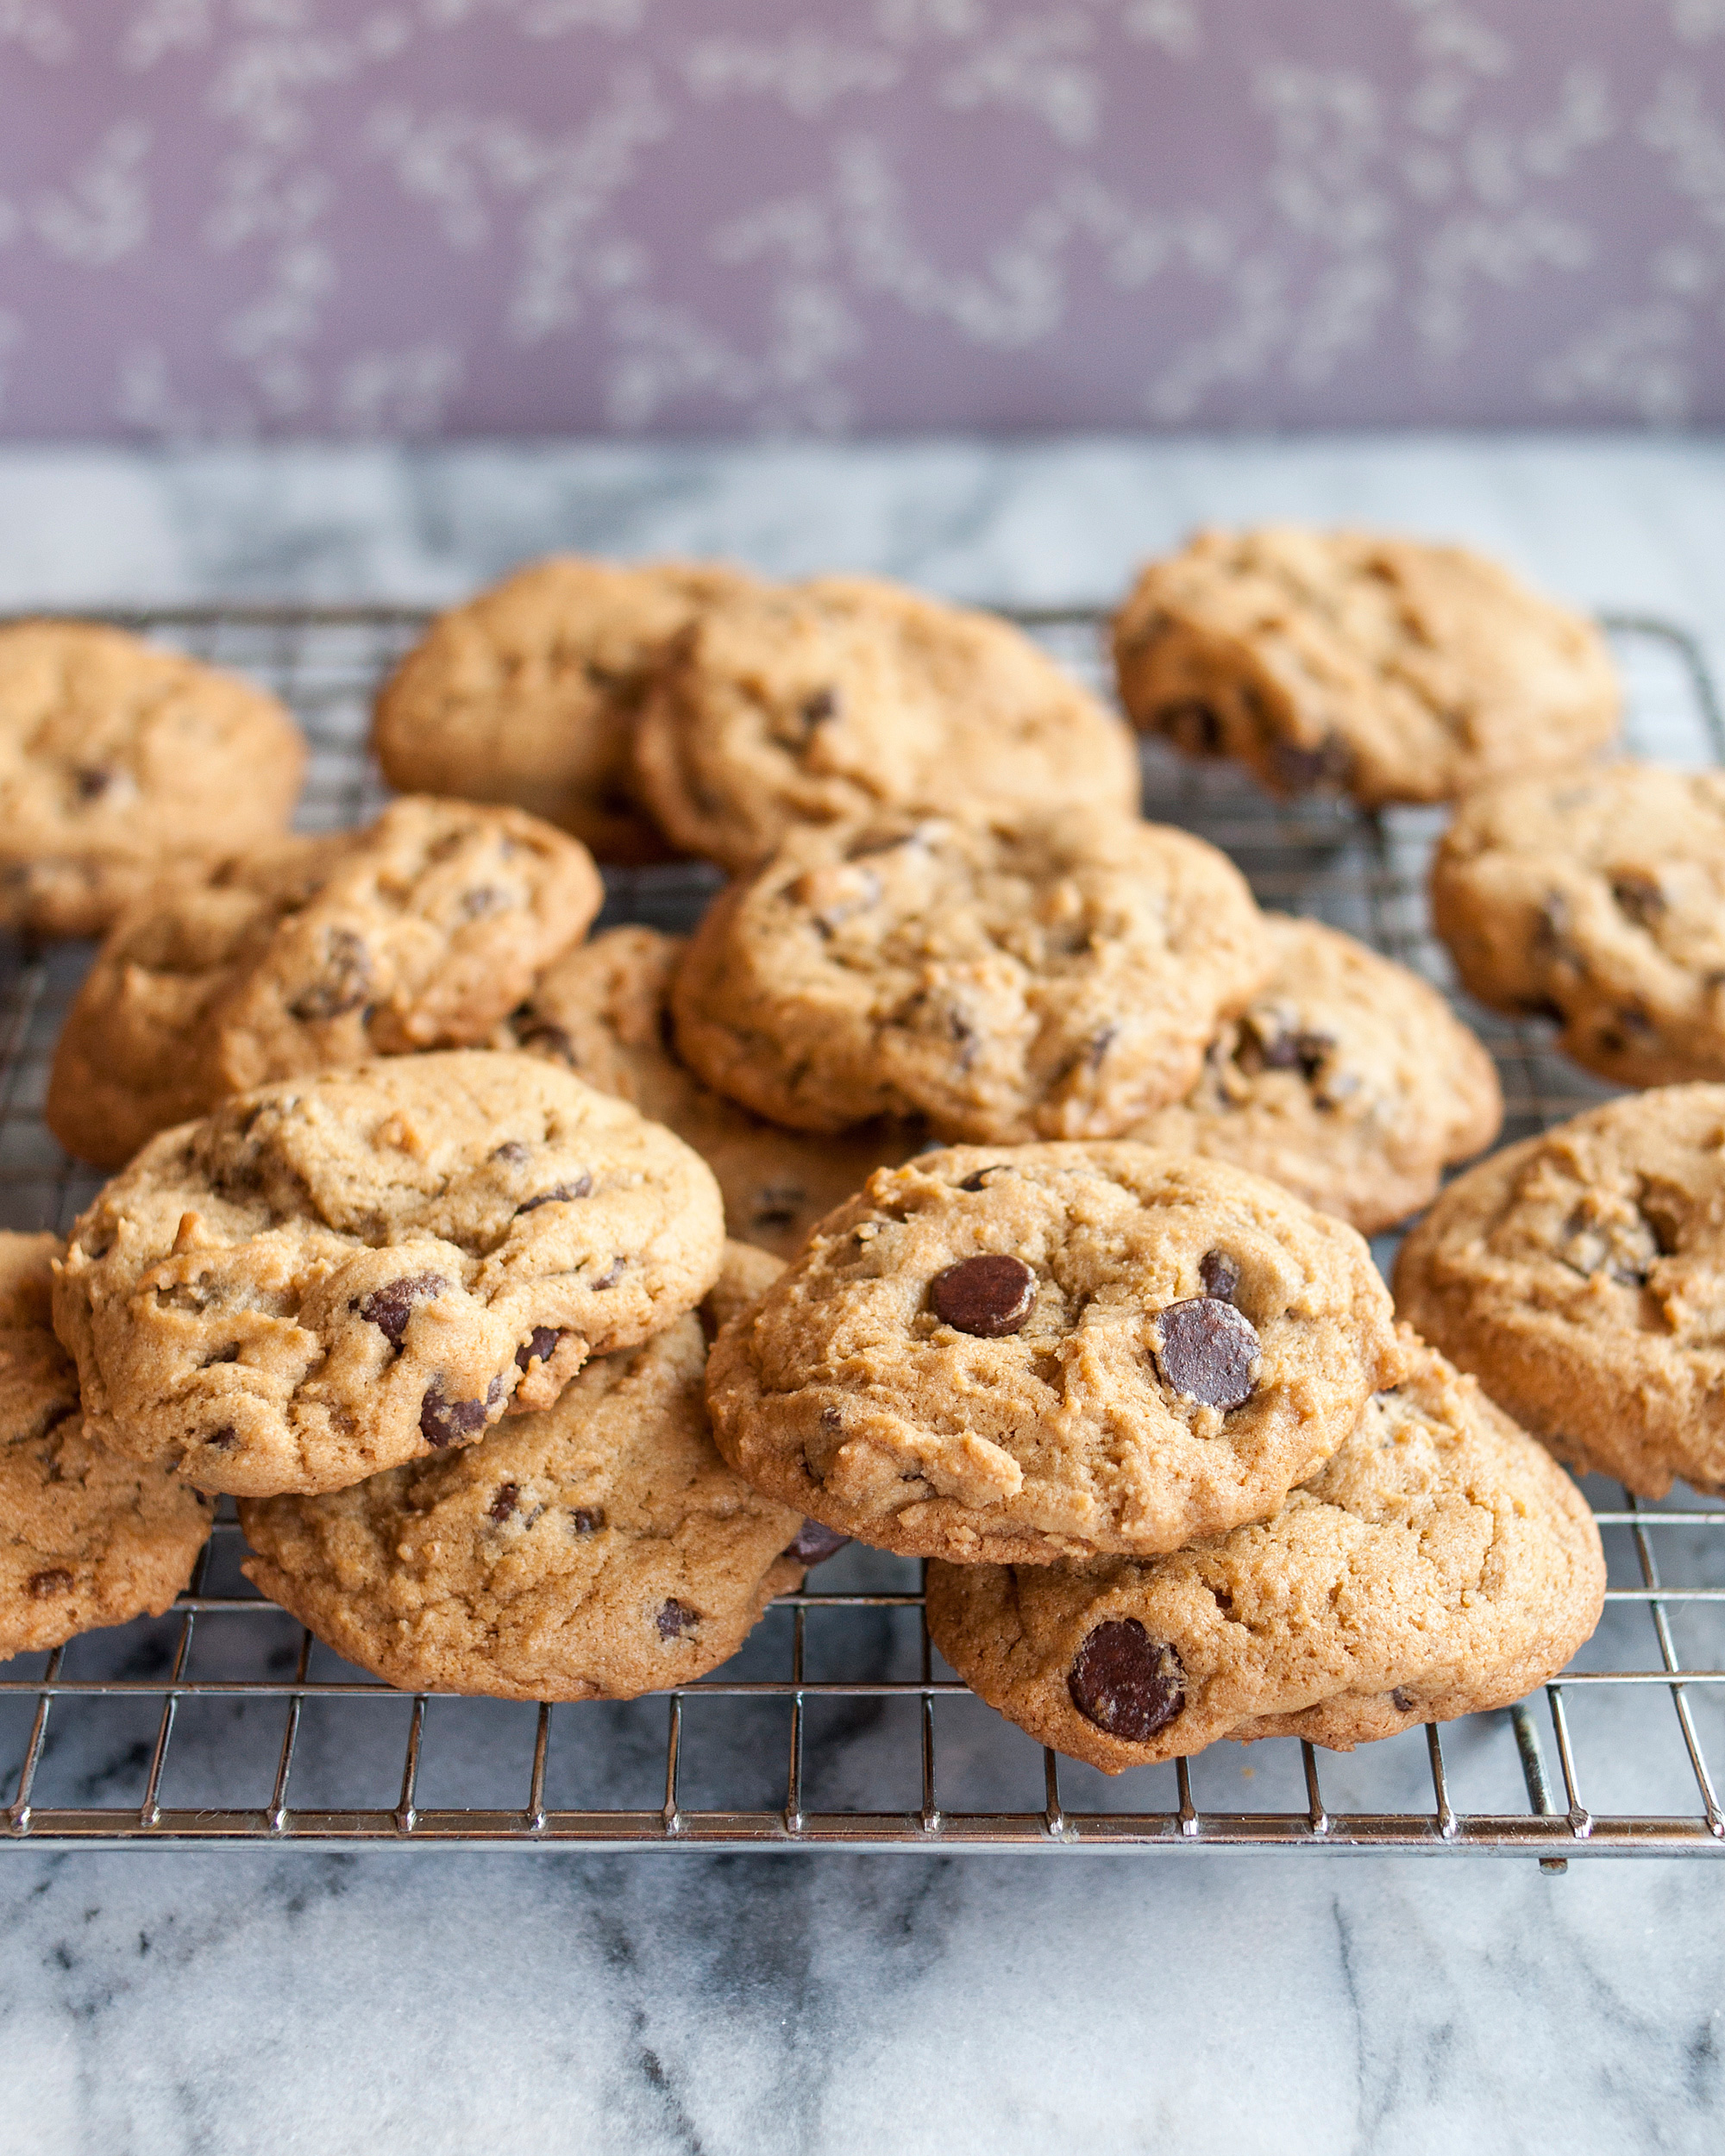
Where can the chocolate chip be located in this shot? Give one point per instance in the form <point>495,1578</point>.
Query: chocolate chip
<point>92,784</point>
<point>1269,1044</point>
<point>1209,1352</point>
<point>1127,1683</point>
<point>585,1520</point>
<point>542,1034</point>
<point>819,707</point>
<point>1403,1702</point>
<point>229,1353</point>
<point>504,1503</point>
<point>345,983</point>
<point>979,1181</point>
<point>1639,896</point>
<point>559,1194</point>
<point>539,1347</point>
<point>1197,726</point>
<point>445,1421</point>
<point>512,1150</point>
<point>777,1206</point>
<point>813,1543</point>
<point>390,1307</point>
<point>1220,1275</point>
<point>989,1296</point>
<point>830,1418</point>
<point>56,1580</point>
<point>611,1276</point>
<point>222,1440</point>
<point>1100,1045</point>
<point>675,1618</point>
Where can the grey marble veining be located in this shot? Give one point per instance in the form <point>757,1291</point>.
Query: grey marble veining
<point>175,2003</point>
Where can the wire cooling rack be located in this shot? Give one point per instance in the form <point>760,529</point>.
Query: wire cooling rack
<point>225,1724</point>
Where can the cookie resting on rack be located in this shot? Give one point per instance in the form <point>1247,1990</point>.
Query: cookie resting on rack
<point>1007,977</point>
<point>786,705</point>
<point>1581,1276</point>
<point>1023,1354</point>
<point>1382,667</point>
<point>1597,897</point>
<point>421,931</point>
<point>528,694</point>
<point>1347,1078</point>
<point>596,1550</point>
<point>602,1010</point>
<point>87,1538</point>
<point>336,1274</point>
<point>119,760</point>
<point>1440,1564</point>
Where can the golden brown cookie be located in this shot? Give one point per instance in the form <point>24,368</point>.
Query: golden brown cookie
<point>1015,1354</point>
<point>528,694</point>
<point>335,1274</point>
<point>1597,897</point>
<point>86,1537</point>
<point>420,932</point>
<point>780,706</point>
<point>1391,670</point>
<point>1347,1077</point>
<point>119,760</point>
<point>1008,978</point>
<point>1439,1565</point>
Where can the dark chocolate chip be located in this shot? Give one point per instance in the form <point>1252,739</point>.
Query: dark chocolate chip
<point>221,1440</point>
<point>345,980</point>
<point>508,1496</point>
<point>813,1543</point>
<point>1100,1045</point>
<point>92,784</point>
<point>56,1580</point>
<point>1639,896</point>
<point>445,1421</point>
<point>1197,726</point>
<point>611,1274</point>
<point>1403,1702</point>
<point>819,707</point>
<point>1209,1351</point>
<point>1127,1683</point>
<point>830,1418</point>
<point>540,1347</point>
<point>540,1033</point>
<point>1220,1275</point>
<point>989,1296</point>
<point>585,1520</point>
<point>390,1307</point>
<point>559,1194</point>
<point>675,1618</point>
<point>979,1179</point>
<point>512,1150</point>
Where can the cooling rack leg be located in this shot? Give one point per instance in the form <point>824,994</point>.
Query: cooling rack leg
<point>405,1813</point>
<point>536,1789</point>
<point>794,1768</point>
<point>20,1812</point>
<point>290,1737</point>
<point>1317,1818</point>
<point>930,1810</point>
<point>674,1746</point>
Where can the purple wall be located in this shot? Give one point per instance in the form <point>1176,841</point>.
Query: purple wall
<point>234,217</point>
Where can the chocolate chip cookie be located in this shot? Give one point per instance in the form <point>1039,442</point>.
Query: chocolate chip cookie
<point>602,1011</point>
<point>421,931</point>
<point>597,1549</point>
<point>1384,668</point>
<point>1581,1275</point>
<point>1020,1354</point>
<point>1439,1563</point>
<point>1008,978</point>
<point>1597,897</point>
<point>119,760</point>
<point>1347,1078</point>
<point>528,694</point>
<point>86,1538</point>
<point>335,1274</point>
<point>817,703</point>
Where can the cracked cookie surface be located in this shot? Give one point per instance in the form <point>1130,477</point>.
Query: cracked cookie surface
<point>596,1550</point>
<point>1008,978</point>
<point>1389,669</point>
<point>1347,1078</point>
<point>120,761</point>
<point>420,932</point>
<point>812,703</point>
<point>87,1538</point>
<point>1597,897</point>
<point>335,1274</point>
<point>1439,1563</point>
<point>1026,1354</point>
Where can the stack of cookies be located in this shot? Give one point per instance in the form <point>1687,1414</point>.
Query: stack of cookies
<point>418,1244</point>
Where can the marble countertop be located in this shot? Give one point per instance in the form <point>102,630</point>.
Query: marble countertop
<point>165,2003</point>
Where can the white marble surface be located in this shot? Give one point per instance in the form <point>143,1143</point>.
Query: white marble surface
<point>177,2004</point>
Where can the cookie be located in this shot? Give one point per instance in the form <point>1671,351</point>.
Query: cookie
<point>119,760</point>
<point>1440,1564</point>
<point>1579,1276</point>
<point>528,694</point>
<point>1016,1355</point>
<point>86,1538</point>
<point>1390,670</point>
<point>333,1274</point>
<point>421,931</point>
<point>781,705</point>
<point>602,1011</point>
<point>597,1549</point>
<point>1008,978</point>
<point>1347,1078</point>
<point>1597,897</point>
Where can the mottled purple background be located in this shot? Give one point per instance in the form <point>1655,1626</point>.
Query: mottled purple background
<point>238,218</point>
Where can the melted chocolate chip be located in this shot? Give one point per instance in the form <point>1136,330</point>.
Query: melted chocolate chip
<point>540,1033</point>
<point>611,1276</point>
<point>559,1194</point>
<point>1638,896</point>
<point>92,784</point>
<point>813,1543</point>
<point>390,1307</point>
<point>345,983</point>
<point>445,1421</point>
<point>675,1618</point>
<point>223,1440</point>
<point>585,1520</point>
<point>1197,726</point>
<point>501,1506</point>
<point>56,1580</point>
<point>819,707</point>
<point>1220,1275</point>
<point>979,1179</point>
<point>989,1296</point>
<point>1402,1701</point>
<point>1127,1683</point>
<point>1209,1351</point>
<point>512,1150</point>
<point>1099,1046</point>
<point>540,1347</point>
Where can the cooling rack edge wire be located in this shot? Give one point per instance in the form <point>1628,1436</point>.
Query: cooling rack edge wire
<point>225,1724</point>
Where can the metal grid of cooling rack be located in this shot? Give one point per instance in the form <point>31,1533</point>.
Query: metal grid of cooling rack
<point>225,1724</point>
